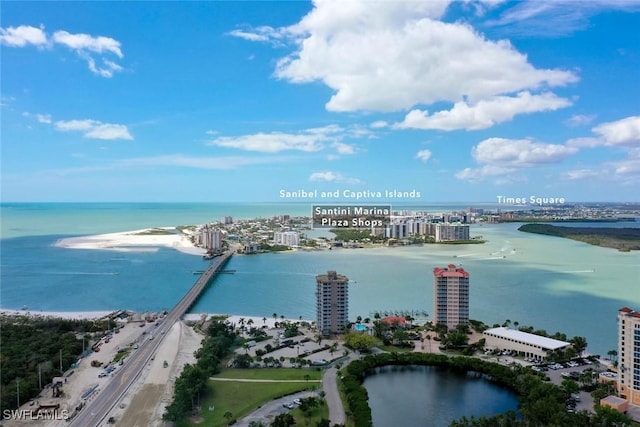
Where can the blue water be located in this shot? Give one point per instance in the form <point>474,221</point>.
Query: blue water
<point>550,283</point>
<point>431,396</point>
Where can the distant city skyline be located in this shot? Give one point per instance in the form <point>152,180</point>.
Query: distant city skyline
<point>238,101</point>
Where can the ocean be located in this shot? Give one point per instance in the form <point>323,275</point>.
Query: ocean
<point>550,283</point>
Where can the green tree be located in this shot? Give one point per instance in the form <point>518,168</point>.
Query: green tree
<point>283,420</point>
<point>228,416</point>
<point>359,341</point>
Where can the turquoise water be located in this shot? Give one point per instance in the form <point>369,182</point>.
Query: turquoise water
<point>430,396</point>
<point>551,283</point>
<point>360,328</point>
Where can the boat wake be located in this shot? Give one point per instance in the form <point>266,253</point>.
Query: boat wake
<point>579,271</point>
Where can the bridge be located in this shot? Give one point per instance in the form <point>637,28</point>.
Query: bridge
<point>95,413</point>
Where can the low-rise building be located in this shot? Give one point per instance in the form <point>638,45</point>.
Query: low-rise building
<point>526,344</point>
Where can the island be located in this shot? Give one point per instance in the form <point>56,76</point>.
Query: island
<point>623,239</point>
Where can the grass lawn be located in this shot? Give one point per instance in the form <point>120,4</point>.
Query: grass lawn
<point>315,415</point>
<point>270,374</point>
<point>393,348</point>
<point>241,398</point>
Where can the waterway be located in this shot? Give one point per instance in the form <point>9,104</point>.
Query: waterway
<point>431,396</point>
<point>550,283</point>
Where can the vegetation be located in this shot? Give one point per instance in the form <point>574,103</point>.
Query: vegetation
<point>193,381</point>
<point>624,239</point>
<point>155,232</point>
<point>541,403</point>
<point>31,345</point>
<point>359,341</point>
<point>265,247</point>
<point>355,235</point>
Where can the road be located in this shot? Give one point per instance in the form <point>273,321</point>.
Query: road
<point>96,411</point>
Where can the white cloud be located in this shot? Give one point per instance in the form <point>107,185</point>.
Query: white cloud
<point>23,35</point>
<point>522,152</point>
<point>86,42</point>
<point>423,155</point>
<point>389,56</point>
<point>555,18</point>
<point>504,157</point>
<point>344,149</point>
<point>329,176</point>
<point>44,118</point>
<point>94,129</point>
<point>272,142</point>
<point>379,124</point>
<point>580,120</point>
<point>480,174</point>
<point>581,174</point>
<point>254,37</point>
<point>179,160</point>
<point>307,140</point>
<point>484,113</point>
<point>84,45</point>
<point>621,132</point>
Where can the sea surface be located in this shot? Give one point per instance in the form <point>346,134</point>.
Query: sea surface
<point>550,283</point>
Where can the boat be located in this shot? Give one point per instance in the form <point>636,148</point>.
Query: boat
<point>24,307</point>
<point>198,272</point>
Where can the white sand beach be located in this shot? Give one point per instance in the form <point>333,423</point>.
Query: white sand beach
<point>136,240</point>
<point>69,315</point>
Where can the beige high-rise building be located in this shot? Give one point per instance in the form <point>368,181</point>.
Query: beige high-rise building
<point>450,296</point>
<point>332,303</point>
<point>629,355</point>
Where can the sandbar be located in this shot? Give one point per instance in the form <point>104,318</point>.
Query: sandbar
<point>144,240</point>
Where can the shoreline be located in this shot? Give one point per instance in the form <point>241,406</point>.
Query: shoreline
<point>143,240</point>
<point>99,314</point>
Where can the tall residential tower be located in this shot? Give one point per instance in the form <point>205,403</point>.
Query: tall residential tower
<point>450,296</point>
<point>629,355</point>
<point>332,297</point>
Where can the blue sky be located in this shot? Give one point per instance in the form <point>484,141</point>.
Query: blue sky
<point>236,101</point>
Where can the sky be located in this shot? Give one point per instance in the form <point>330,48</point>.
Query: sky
<point>241,101</point>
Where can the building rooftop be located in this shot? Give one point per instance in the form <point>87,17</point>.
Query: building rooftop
<point>450,271</point>
<point>392,320</point>
<point>629,312</point>
<point>531,339</point>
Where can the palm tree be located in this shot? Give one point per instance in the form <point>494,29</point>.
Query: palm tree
<point>264,320</point>
<point>429,341</point>
<point>275,316</point>
<point>228,415</point>
<point>249,322</point>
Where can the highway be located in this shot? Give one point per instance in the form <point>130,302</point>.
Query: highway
<point>95,413</point>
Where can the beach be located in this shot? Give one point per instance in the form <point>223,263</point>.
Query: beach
<point>135,241</point>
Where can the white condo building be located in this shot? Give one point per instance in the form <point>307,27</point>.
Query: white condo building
<point>286,238</point>
<point>451,232</point>
<point>209,237</point>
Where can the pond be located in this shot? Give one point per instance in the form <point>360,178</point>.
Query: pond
<point>431,396</point>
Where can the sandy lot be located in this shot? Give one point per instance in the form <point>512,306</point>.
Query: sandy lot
<point>144,403</point>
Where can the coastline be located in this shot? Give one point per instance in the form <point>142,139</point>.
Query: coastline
<point>144,240</point>
<point>93,315</point>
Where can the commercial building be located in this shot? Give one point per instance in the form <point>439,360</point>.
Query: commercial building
<point>526,344</point>
<point>451,296</point>
<point>332,303</point>
<point>447,232</point>
<point>629,355</point>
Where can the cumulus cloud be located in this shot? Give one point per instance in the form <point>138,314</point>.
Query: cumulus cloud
<point>499,156</point>
<point>84,45</point>
<point>423,155</point>
<point>329,176</point>
<point>254,37</point>
<point>94,129</point>
<point>390,56</point>
<point>379,124</point>
<point>23,35</point>
<point>483,114</point>
<point>620,132</point>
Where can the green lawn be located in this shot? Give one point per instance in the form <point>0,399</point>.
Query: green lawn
<point>270,374</point>
<point>315,415</point>
<point>241,398</point>
<point>393,348</point>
